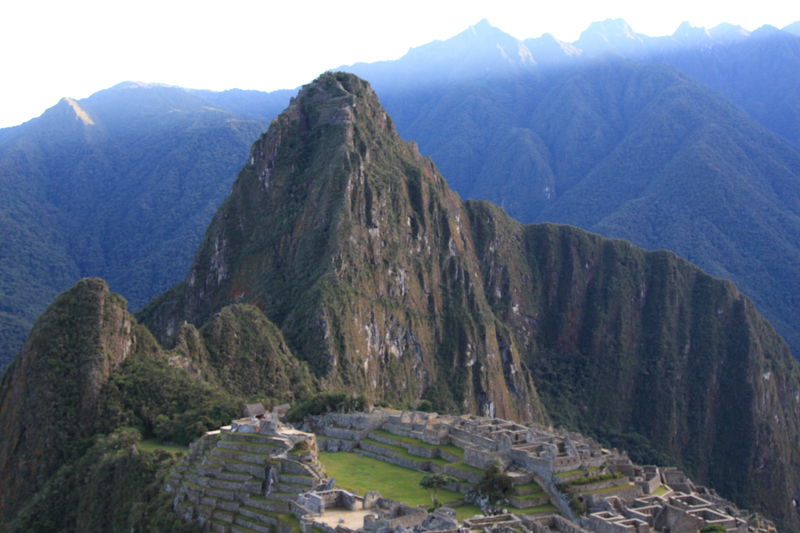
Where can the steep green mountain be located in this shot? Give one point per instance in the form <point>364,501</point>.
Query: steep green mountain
<point>119,185</point>
<point>88,371</point>
<point>329,188</point>
<point>384,281</point>
<point>640,152</point>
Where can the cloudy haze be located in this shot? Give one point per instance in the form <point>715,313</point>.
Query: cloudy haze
<point>56,49</point>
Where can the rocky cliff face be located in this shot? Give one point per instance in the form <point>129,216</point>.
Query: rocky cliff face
<point>384,281</point>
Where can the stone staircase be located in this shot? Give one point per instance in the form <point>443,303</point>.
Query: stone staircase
<point>242,482</point>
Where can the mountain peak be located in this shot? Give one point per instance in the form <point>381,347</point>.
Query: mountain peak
<point>688,34</point>
<point>607,35</point>
<point>353,244</point>
<point>728,32</point>
<point>482,26</point>
<point>549,50</point>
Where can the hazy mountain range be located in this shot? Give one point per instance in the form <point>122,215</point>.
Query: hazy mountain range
<point>120,185</point>
<point>574,133</point>
<point>110,185</point>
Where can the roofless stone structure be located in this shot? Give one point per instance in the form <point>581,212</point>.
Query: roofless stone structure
<point>240,478</point>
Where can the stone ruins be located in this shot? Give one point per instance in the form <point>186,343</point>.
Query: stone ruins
<point>259,474</point>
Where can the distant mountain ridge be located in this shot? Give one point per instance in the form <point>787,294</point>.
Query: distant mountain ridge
<point>119,185</point>
<point>41,260</point>
<point>524,140</point>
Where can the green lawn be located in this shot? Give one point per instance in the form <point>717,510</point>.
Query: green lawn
<point>660,491</point>
<point>575,472</point>
<point>398,483</point>
<point>609,489</point>
<point>449,448</point>
<point>467,511</point>
<point>546,508</point>
<point>287,518</point>
<point>467,468</point>
<point>540,494</point>
<point>394,482</point>
<point>151,445</point>
<point>528,486</point>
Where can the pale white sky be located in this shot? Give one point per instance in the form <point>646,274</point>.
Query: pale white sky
<point>55,49</point>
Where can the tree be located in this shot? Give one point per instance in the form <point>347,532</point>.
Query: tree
<point>495,483</point>
<point>713,528</point>
<point>433,483</point>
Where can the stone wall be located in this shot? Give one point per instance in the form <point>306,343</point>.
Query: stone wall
<point>650,486</point>
<point>344,433</point>
<point>420,466</point>
<point>626,494</point>
<point>542,466</point>
<point>360,421</point>
<point>371,499</point>
<point>447,456</point>
<point>598,525</point>
<point>566,464</point>
<point>427,453</point>
<point>546,524</point>
<point>593,462</point>
<point>483,459</point>
<point>522,504</point>
<point>400,516</point>
<point>463,474</point>
<point>598,485</point>
<point>335,445</point>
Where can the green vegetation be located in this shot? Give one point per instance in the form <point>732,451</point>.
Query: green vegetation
<point>395,482</point>
<point>626,342</point>
<point>461,465</point>
<point>609,489</point>
<point>495,483</point>
<point>591,479</point>
<point>152,445</point>
<point>661,490</point>
<point>287,518</point>
<point>539,509</point>
<point>108,489</point>
<point>671,164</point>
<point>433,483</point>
<point>578,472</point>
<point>577,505</point>
<point>94,378</point>
<point>526,487</point>
<point>713,528</point>
<point>326,402</point>
<point>404,454</point>
<point>449,448</point>
<point>127,199</point>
